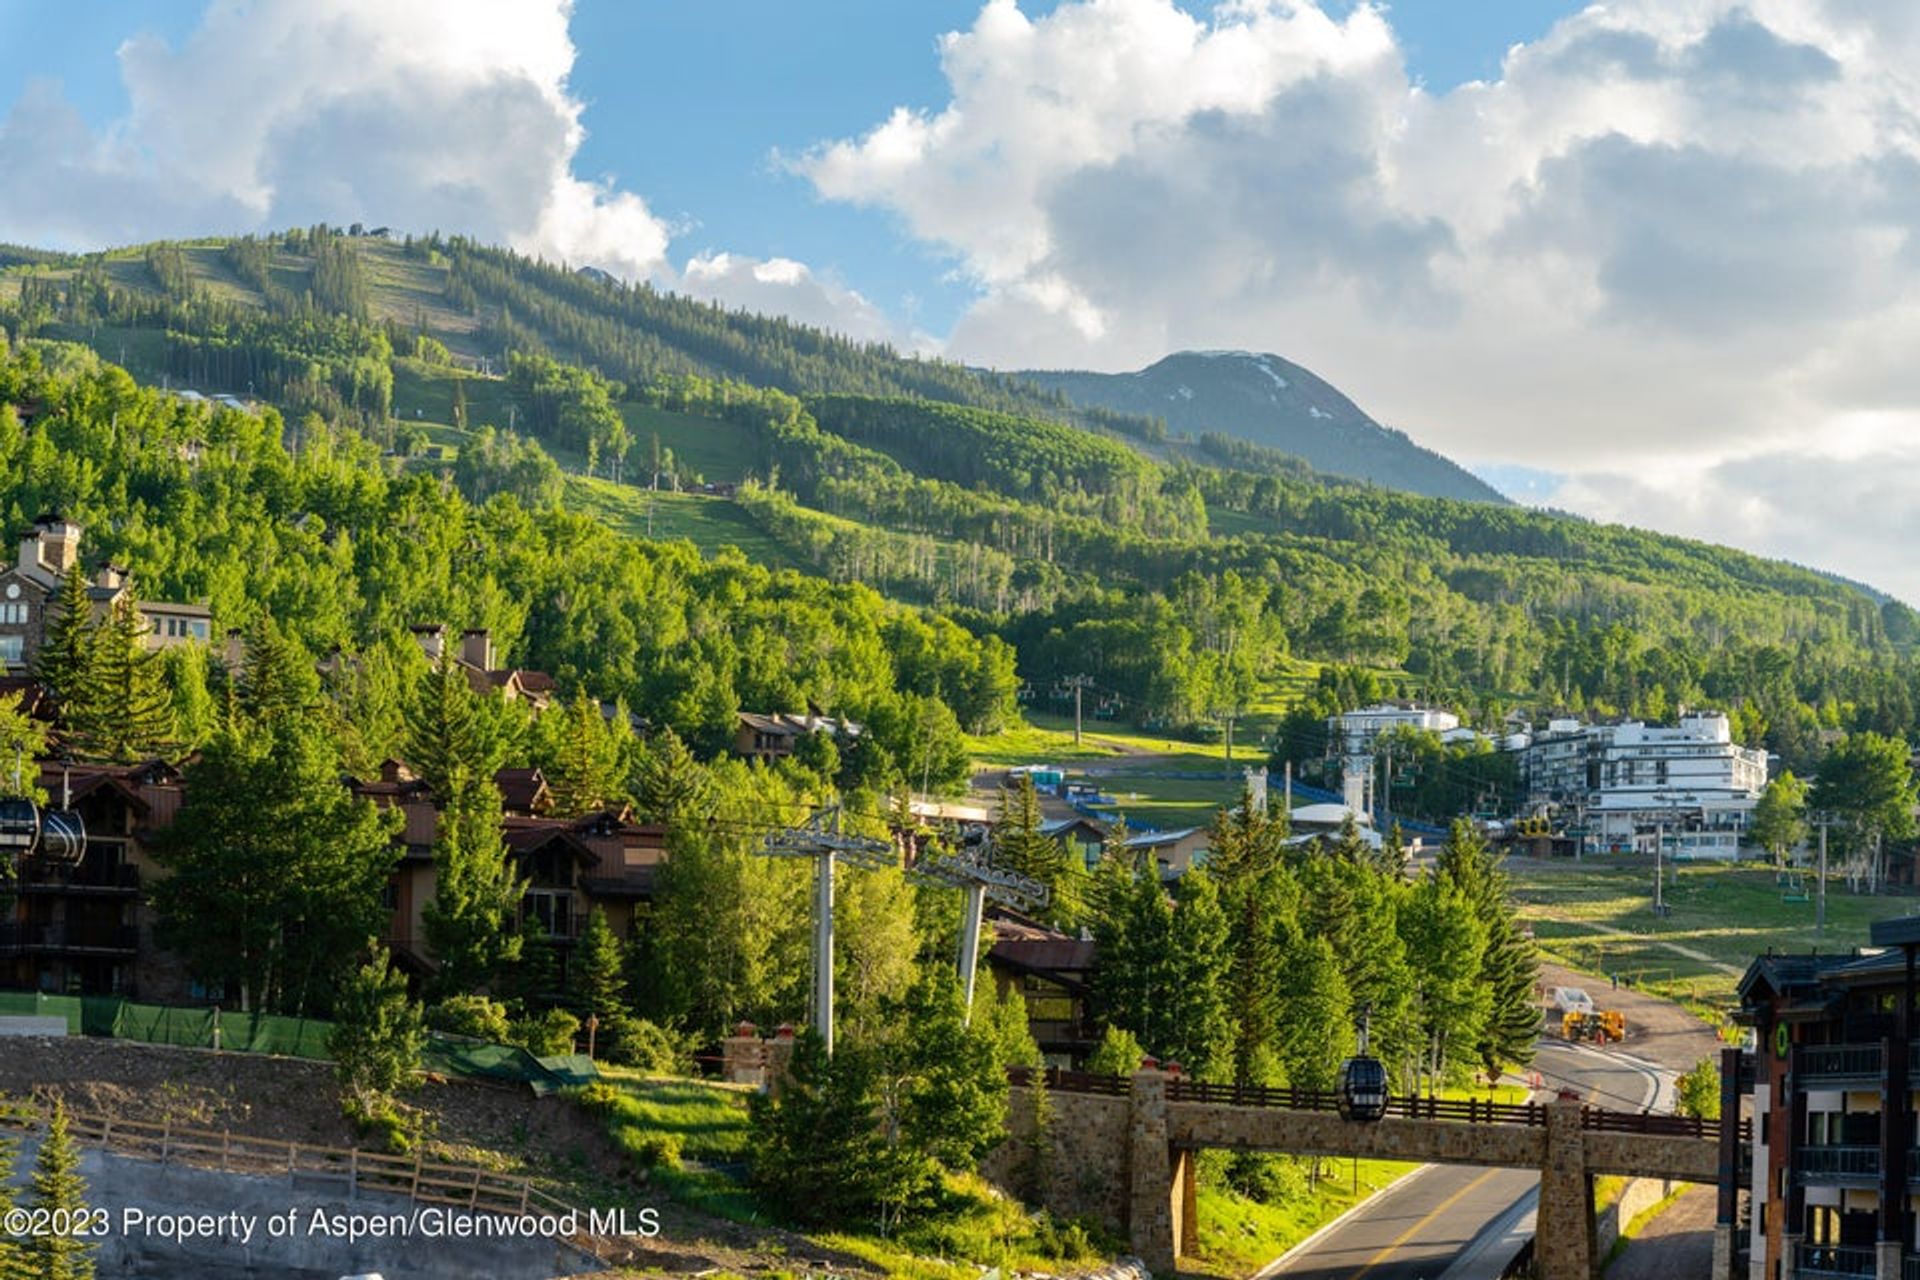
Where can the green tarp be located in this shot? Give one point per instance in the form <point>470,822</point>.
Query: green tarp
<point>195,1028</point>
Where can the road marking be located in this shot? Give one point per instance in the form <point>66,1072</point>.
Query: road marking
<point>1417,1227</point>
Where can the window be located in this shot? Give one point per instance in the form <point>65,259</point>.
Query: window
<point>14,612</point>
<point>11,648</point>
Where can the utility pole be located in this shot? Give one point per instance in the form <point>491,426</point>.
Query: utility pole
<point>821,840</point>
<point>1822,818</point>
<point>1078,684</point>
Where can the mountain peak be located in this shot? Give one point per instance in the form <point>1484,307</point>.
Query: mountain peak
<point>1269,400</point>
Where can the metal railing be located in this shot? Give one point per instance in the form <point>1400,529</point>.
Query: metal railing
<point>1816,1062</point>
<point>85,878</point>
<point>1838,1161</point>
<point>18,938</point>
<point>1072,1081</point>
<point>1832,1260</point>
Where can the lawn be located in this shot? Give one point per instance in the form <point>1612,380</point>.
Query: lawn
<point>1596,915</point>
<point>713,449</point>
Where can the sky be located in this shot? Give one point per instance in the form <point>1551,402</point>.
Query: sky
<point>1650,260</point>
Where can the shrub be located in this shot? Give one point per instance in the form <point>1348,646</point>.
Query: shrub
<point>636,1042</point>
<point>552,1032</point>
<point>474,1016</point>
<point>658,1151</point>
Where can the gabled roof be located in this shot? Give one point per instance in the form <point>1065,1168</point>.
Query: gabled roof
<point>1160,839</point>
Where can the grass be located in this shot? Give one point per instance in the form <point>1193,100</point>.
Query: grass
<point>1595,914</point>
<point>714,449</point>
<point>1239,1235</point>
<point>708,522</point>
<point>708,1125</point>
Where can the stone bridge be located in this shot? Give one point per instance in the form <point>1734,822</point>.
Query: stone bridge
<point>1122,1150</point>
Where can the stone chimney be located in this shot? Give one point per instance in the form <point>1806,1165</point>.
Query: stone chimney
<point>29,551</point>
<point>432,638</point>
<point>476,648</point>
<point>59,542</point>
<point>235,652</point>
<point>109,577</point>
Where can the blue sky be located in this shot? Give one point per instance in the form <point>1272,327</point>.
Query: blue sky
<point>689,102</point>
<point>1650,260</point>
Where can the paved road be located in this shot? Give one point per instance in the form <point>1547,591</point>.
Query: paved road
<point>1419,1227</point>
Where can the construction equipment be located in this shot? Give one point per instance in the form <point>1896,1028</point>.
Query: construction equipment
<point>1598,1026</point>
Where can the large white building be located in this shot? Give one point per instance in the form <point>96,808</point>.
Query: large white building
<point>1352,736</point>
<point>1632,785</point>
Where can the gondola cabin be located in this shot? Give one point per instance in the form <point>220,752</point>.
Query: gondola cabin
<point>1363,1088</point>
<point>63,837</point>
<point>19,827</point>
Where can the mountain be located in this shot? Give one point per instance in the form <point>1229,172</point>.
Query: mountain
<point>1273,402</point>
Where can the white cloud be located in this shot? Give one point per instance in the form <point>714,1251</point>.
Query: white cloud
<point>785,287</point>
<point>1673,237</point>
<point>433,114</point>
<point>450,114</point>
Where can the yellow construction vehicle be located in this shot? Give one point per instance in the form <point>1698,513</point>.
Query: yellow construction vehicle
<point>1598,1026</point>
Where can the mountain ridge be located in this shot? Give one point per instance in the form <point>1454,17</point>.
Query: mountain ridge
<point>1269,400</point>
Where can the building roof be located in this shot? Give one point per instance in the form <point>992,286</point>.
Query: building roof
<point>1160,839</point>
<point>1330,815</point>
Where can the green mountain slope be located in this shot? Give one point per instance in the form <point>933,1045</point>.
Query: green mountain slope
<point>1177,575</point>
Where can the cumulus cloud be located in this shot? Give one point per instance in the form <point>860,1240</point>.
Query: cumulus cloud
<point>1672,239</point>
<point>444,113</point>
<point>785,287</point>
<point>434,114</point>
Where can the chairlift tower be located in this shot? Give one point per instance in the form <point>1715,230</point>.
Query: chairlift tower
<point>822,841</point>
<point>978,879</point>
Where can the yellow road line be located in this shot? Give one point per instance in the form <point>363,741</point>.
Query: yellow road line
<point>1413,1230</point>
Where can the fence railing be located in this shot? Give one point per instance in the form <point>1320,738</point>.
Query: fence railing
<point>1836,1061</point>
<point>418,1179</point>
<point>1461,1110</point>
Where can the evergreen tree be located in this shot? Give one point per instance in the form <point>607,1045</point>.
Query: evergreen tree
<point>1256,893</point>
<point>817,1154</point>
<point>669,784</point>
<point>15,1256</point>
<point>1196,1033</point>
<point>1020,845</point>
<point>1133,938</point>
<point>130,708</point>
<point>596,981</point>
<point>1117,1054</point>
<point>943,1088</point>
<point>276,681</point>
<point>377,1038</point>
<point>57,1186</point>
<point>1509,966</point>
<point>476,890</point>
<point>276,871</point>
<point>64,661</point>
<point>536,975</point>
<point>583,766</point>
<point>454,748</point>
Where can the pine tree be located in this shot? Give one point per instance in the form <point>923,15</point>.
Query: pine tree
<point>536,976</point>
<point>64,661</point>
<point>469,919</point>
<point>1020,845</point>
<point>583,769</point>
<point>377,1037</point>
<point>1315,1015</point>
<point>129,714</point>
<point>1194,999</point>
<point>1509,966</point>
<point>58,1186</point>
<point>817,1154</point>
<point>15,1258</point>
<point>596,981</point>
<point>453,748</point>
<point>669,784</point>
<point>277,680</point>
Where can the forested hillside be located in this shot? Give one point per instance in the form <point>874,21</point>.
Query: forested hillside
<point>1179,580</point>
